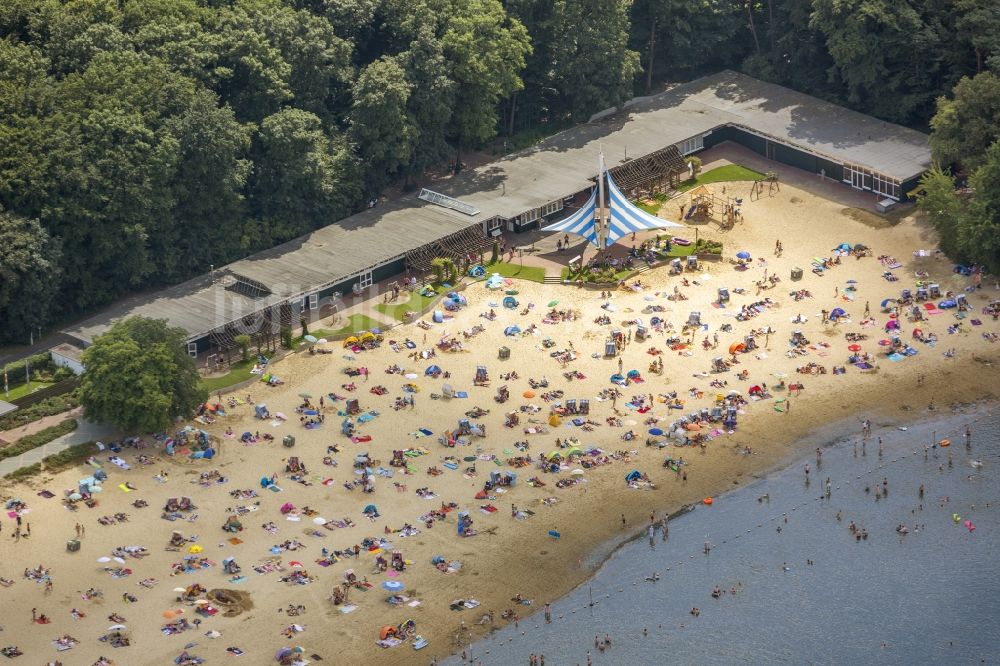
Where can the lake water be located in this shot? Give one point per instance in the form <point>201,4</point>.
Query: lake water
<point>929,597</point>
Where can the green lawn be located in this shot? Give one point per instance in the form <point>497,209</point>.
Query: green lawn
<point>721,174</point>
<point>356,324</point>
<point>238,372</point>
<point>516,271</point>
<point>23,389</point>
<point>396,310</point>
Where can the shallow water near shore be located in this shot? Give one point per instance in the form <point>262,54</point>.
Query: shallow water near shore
<point>930,596</point>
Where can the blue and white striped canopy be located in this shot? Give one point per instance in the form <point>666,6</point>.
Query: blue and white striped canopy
<point>626,218</point>
<point>581,223</point>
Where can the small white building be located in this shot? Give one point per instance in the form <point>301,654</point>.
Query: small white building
<point>68,356</point>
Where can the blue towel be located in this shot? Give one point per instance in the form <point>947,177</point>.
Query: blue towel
<point>461,394</point>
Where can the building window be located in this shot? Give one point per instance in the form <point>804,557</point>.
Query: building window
<point>550,208</point>
<point>193,349</point>
<point>692,145</point>
<point>885,185</point>
<point>493,224</point>
<point>313,301</point>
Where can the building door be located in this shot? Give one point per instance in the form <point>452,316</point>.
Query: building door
<point>365,280</point>
<point>769,150</point>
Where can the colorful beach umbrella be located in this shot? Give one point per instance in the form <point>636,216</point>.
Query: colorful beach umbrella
<point>854,348</point>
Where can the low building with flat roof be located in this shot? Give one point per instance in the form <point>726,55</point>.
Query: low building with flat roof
<point>521,191</point>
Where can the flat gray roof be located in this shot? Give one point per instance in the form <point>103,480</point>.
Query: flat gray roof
<point>7,408</point>
<point>560,166</point>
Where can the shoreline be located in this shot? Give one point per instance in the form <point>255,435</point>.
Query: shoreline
<point>795,449</point>
<point>508,556</point>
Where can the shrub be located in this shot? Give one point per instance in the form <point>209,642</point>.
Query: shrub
<point>38,439</point>
<point>696,163</point>
<point>41,367</point>
<point>286,337</point>
<point>68,457</point>
<point>243,342</point>
<point>438,266</point>
<point>49,407</point>
<point>495,253</point>
<point>22,473</point>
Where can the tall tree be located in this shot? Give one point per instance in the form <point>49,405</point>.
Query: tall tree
<point>980,231</point>
<point>431,100</point>
<point>301,179</point>
<point>139,376</point>
<point>381,126</point>
<point>944,209</point>
<point>486,50</point>
<point>592,64</point>
<point>29,276</point>
<point>965,126</point>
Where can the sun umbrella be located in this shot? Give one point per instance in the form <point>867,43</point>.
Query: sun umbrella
<point>319,520</point>
<point>392,585</point>
<point>656,432</point>
<point>528,394</point>
<point>94,490</point>
<point>552,304</point>
<point>742,254</point>
<point>169,614</point>
<point>309,338</point>
<point>307,396</point>
<point>578,472</point>
<point>410,375</point>
<point>195,549</point>
<point>75,496</point>
<point>103,560</point>
<point>117,627</point>
<point>854,348</point>
<point>119,560</point>
<point>180,589</point>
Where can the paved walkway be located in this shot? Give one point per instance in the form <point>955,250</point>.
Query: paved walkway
<point>87,431</point>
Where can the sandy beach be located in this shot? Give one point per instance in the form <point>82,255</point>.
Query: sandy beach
<point>507,556</point>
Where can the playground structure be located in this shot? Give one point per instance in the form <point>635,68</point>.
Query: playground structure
<point>704,203</point>
<point>771,179</point>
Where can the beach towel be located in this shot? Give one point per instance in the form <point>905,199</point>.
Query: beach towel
<point>274,488</point>
<point>361,438</point>
<point>124,488</point>
<point>461,394</point>
<point>896,357</point>
<point>48,494</point>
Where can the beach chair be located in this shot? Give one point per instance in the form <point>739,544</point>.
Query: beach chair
<point>715,415</point>
<point>353,407</point>
<point>641,332</point>
<point>288,441</point>
<point>934,290</point>
<point>584,407</point>
<point>482,376</point>
<point>448,391</point>
<point>750,342</point>
<point>723,295</point>
<point>719,365</point>
<point>961,302</point>
<point>692,263</point>
<point>610,349</point>
<point>694,320</point>
<point>571,406</point>
<point>675,267</point>
<point>922,294</point>
<point>504,353</point>
<point>293,465</point>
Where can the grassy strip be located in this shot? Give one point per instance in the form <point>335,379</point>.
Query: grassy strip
<point>516,271</point>
<point>357,323</point>
<point>57,404</point>
<point>22,473</point>
<point>722,174</point>
<point>40,438</point>
<point>68,457</point>
<point>238,372</point>
<point>416,303</point>
<point>25,389</point>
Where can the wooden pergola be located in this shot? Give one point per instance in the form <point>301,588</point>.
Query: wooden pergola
<point>656,172</point>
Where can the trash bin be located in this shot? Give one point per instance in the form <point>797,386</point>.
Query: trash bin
<point>796,273</point>
<point>73,545</point>
<point>505,352</point>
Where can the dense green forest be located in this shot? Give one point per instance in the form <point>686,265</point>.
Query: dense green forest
<point>143,140</point>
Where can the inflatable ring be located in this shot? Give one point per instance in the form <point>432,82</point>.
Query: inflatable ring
<point>707,501</point>
<point>944,442</point>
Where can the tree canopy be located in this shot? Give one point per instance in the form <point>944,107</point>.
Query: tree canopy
<point>152,138</point>
<point>139,376</point>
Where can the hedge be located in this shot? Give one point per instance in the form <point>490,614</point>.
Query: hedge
<point>67,457</point>
<point>22,473</point>
<point>40,438</point>
<point>16,370</point>
<point>49,407</point>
